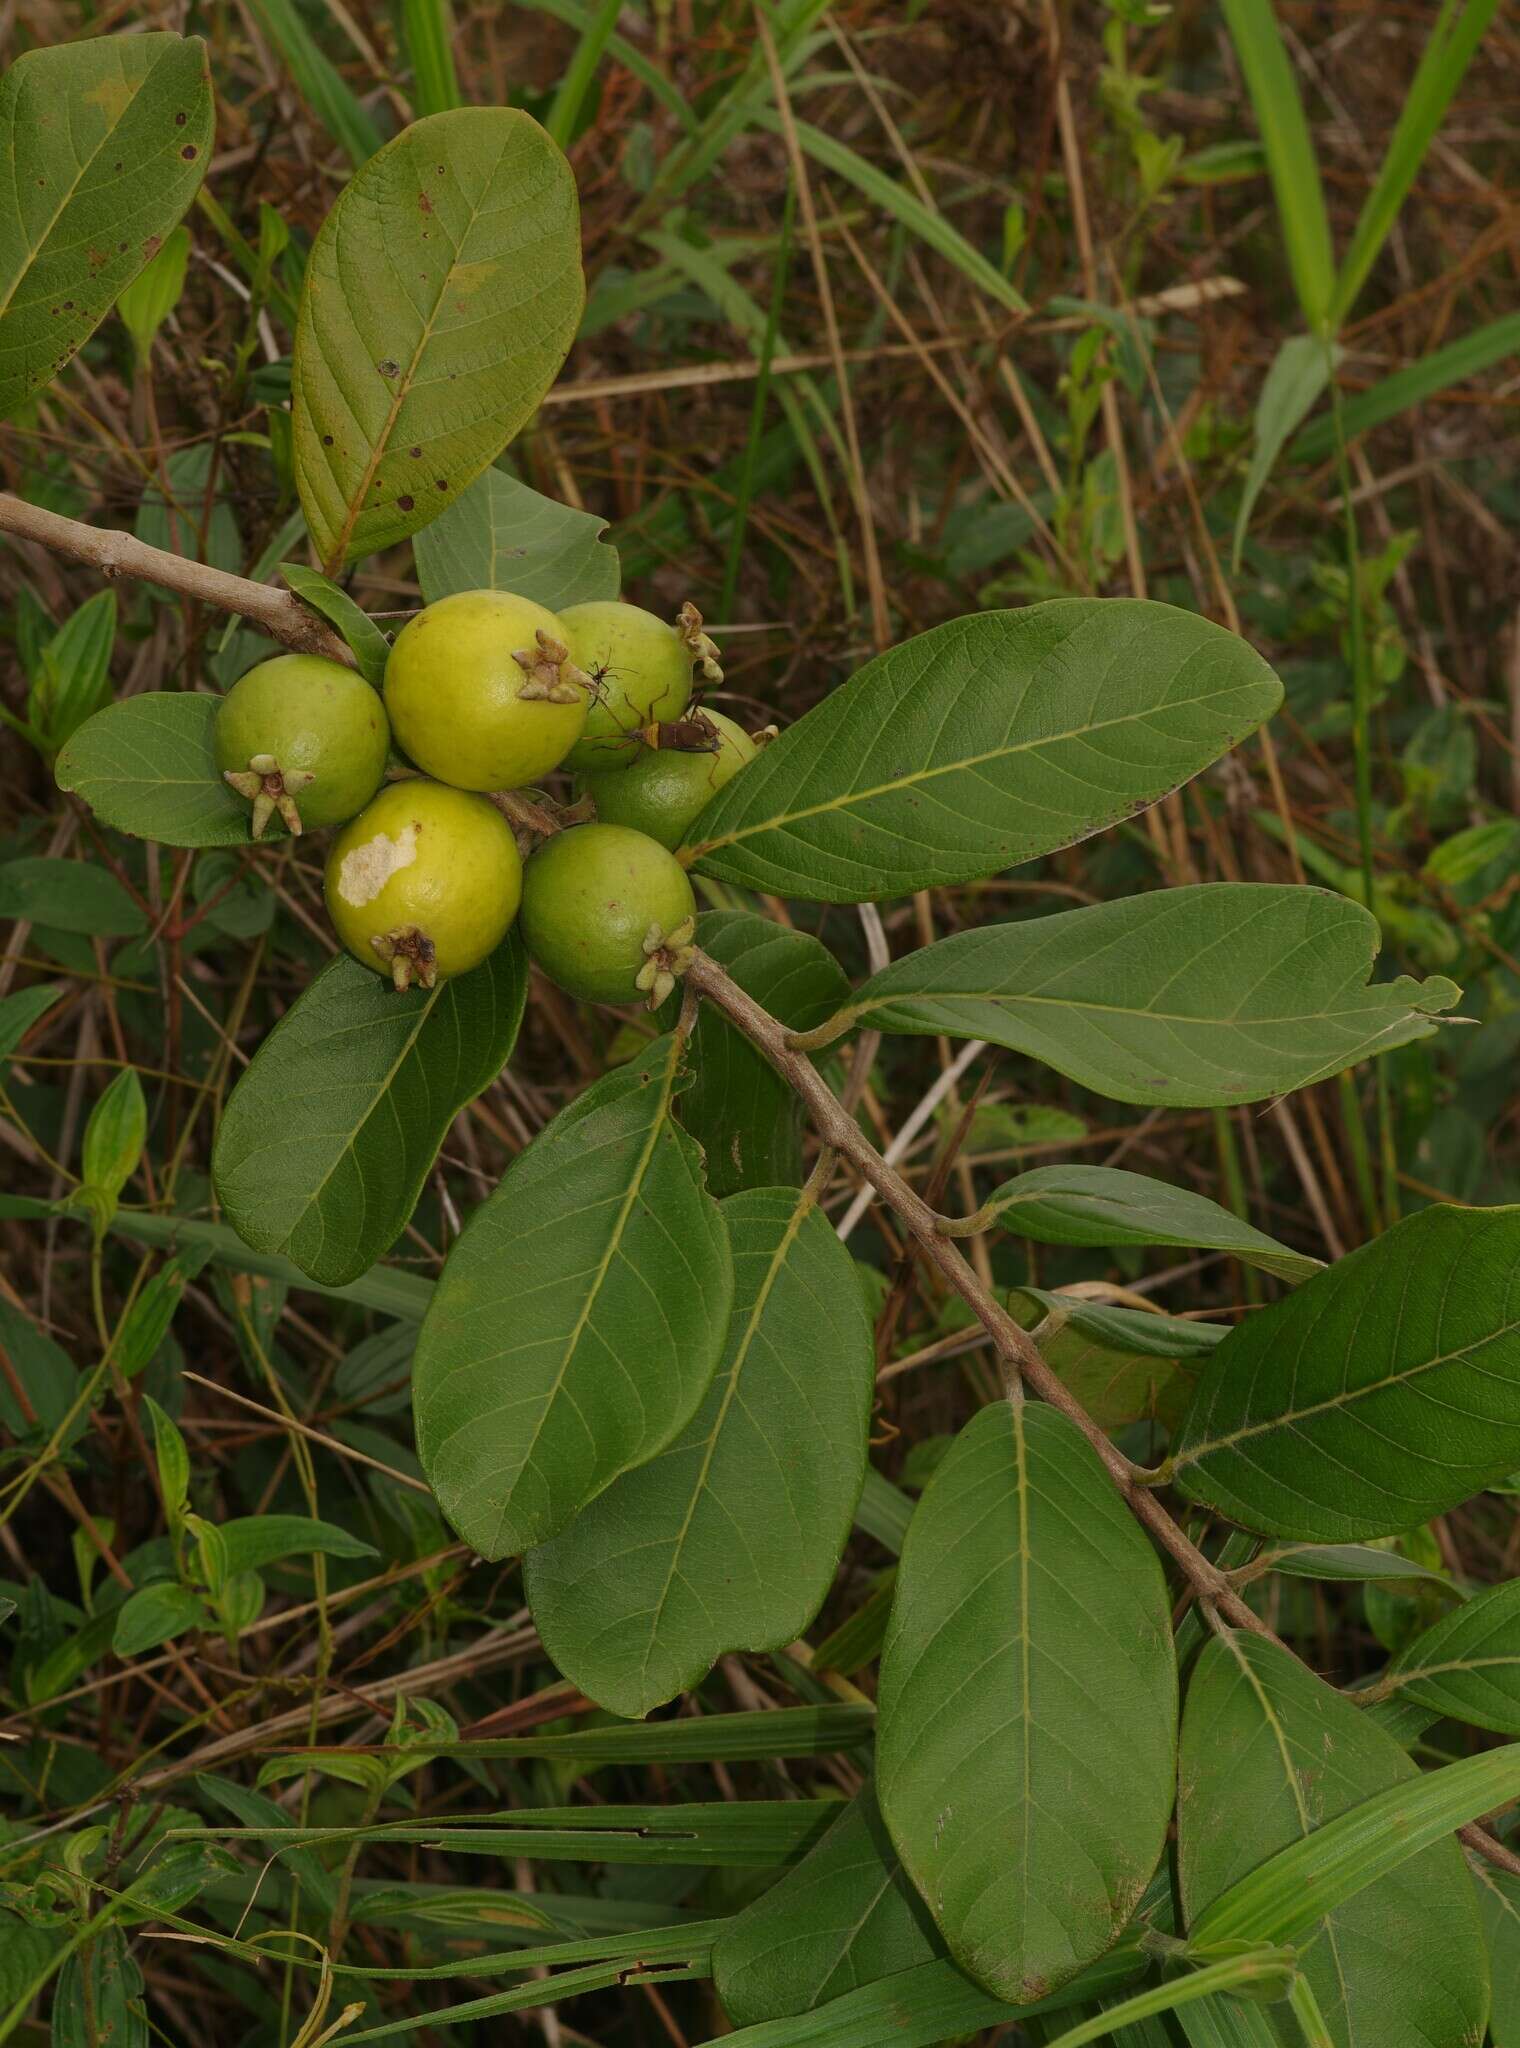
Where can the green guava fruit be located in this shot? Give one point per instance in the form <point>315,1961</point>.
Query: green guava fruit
<point>482,693</point>
<point>642,672</point>
<point>424,883</point>
<point>304,738</point>
<point>607,914</point>
<point>665,789</point>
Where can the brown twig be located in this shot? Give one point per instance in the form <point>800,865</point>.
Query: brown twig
<point>1021,1356</point>
<point>275,612</point>
<point>1014,1345</point>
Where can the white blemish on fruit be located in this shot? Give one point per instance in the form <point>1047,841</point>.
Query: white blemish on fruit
<point>364,872</point>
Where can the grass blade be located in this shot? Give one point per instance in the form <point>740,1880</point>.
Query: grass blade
<point>1453,44</point>
<point>427,29</point>
<point>1290,155</point>
<point>1492,343</point>
<point>318,80</point>
<point>576,82</point>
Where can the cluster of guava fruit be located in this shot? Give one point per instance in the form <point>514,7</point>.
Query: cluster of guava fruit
<point>485,693</point>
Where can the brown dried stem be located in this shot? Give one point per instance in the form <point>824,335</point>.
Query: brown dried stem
<point>112,553</point>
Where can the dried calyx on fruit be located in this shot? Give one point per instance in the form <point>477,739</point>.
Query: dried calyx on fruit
<point>424,883</point>
<point>666,786</point>
<point>608,914</point>
<point>484,692</point>
<point>642,672</point>
<point>301,738</point>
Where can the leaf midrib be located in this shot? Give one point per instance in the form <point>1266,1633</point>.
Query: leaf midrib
<point>614,1242</point>
<point>34,249</point>
<point>710,1450</point>
<point>354,508</point>
<point>784,819</point>
<point>1343,1400</point>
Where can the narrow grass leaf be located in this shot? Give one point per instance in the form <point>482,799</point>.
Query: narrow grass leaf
<point>985,742</point>
<point>1384,1391</point>
<point>427,29</point>
<point>1301,215</point>
<point>921,221</point>
<point>1300,371</point>
<point>1460,27</point>
<point>1029,1809</point>
<point>318,80</point>
<point>1496,342</point>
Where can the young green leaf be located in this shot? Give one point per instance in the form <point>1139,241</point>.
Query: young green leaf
<point>328,1136</point>
<point>250,1542</point>
<point>441,297</point>
<point>114,135</point>
<point>1467,1665</point>
<point>154,293</point>
<point>154,1616</point>
<point>115,1135</point>
<point>366,642</point>
<point>743,1115</point>
<point>1028,1813</point>
<point>1270,1753</point>
<point>844,1916</point>
<point>985,742</point>
<point>500,535</point>
<point>730,1538</point>
<point>75,679</point>
<point>1103,1205</point>
<point>1384,1391</point>
<point>1223,992</point>
<point>173,1460</point>
<point>579,1319</point>
<point>1122,1364</point>
<point>1299,373</point>
<point>18,1013</point>
<point>147,766</point>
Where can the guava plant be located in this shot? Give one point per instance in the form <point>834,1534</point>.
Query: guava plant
<point>646,1366</point>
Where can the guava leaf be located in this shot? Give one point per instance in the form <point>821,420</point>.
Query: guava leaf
<point>328,1136</point>
<point>982,743</point>
<point>730,1538</point>
<point>148,766</point>
<point>580,1318</point>
<point>442,295</point>
<point>501,535</point>
<point>1467,1664</point>
<point>1223,992</point>
<point>1270,1753</point>
<point>1383,1391</point>
<point>1102,1205</point>
<point>107,141</point>
<point>1028,1809</point>
<point>743,1115</point>
<point>844,1916</point>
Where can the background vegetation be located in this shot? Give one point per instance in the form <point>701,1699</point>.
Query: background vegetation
<point>895,312</point>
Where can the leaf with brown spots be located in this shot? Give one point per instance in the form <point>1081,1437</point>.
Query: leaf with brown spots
<point>429,333</point>
<point>87,201</point>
